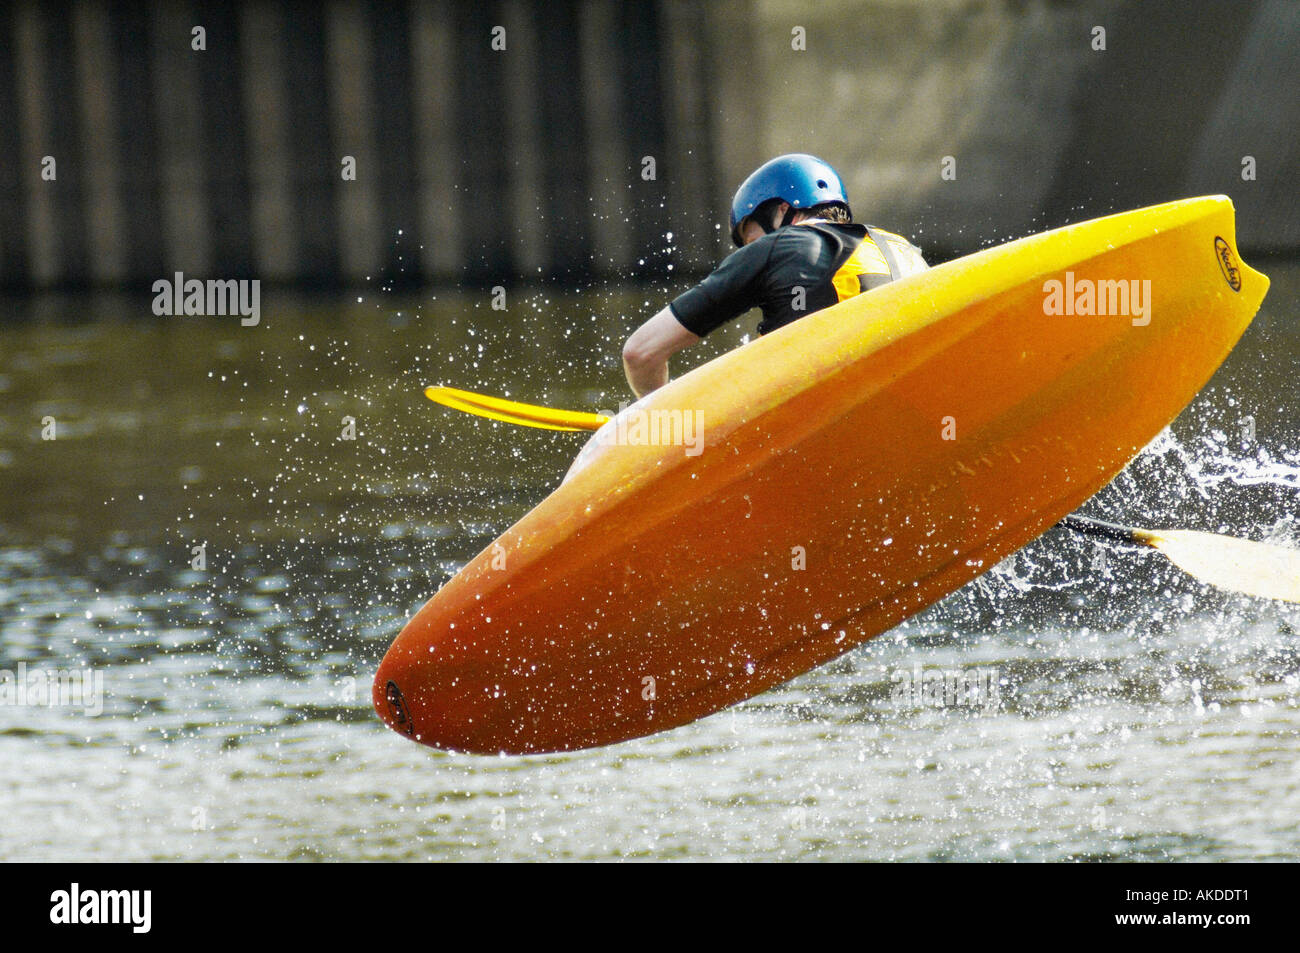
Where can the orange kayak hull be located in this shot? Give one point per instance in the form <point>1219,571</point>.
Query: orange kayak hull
<point>821,484</point>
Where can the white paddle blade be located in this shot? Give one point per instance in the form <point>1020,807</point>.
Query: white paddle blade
<point>1241,565</point>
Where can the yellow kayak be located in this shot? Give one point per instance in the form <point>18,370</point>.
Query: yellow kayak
<point>789,500</point>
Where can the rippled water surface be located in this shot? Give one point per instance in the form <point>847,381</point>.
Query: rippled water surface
<point>1122,711</point>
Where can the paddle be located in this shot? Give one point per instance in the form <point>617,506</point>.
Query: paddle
<point>514,412</point>
<point>1240,565</point>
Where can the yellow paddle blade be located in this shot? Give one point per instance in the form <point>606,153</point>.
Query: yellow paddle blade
<point>1242,565</point>
<point>513,412</point>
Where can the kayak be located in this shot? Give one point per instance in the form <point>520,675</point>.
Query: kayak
<point>787,501</point>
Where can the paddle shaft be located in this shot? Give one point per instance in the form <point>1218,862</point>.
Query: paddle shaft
<point>1103,530</point>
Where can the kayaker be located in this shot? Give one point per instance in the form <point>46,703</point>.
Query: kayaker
<point>798,252</point>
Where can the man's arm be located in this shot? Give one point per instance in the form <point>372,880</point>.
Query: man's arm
<point>646,353</point>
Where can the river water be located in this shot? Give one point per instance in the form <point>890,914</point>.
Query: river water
<point>201,538</point>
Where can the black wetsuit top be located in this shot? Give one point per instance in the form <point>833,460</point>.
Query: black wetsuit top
<point>790,273</point>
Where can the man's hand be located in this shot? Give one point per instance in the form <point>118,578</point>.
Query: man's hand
<point>646,353</point>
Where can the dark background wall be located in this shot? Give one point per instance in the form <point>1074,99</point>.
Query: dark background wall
<point>481,166</point>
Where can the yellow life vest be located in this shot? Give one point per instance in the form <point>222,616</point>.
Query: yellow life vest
<point>882,257</point>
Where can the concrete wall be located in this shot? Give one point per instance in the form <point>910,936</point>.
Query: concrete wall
<point>483,166</point>
<point>1044,128</point>
<point>472,164</point>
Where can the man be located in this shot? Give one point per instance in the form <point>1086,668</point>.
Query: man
<point>799,252</point>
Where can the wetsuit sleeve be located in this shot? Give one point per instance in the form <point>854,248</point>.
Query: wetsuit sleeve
<point>732,289</point>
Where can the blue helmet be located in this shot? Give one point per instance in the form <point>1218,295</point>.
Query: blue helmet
<point>802,180</point>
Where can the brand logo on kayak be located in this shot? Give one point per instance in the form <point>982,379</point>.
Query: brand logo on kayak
<point>397,704</point>
<point>947,688</point>
<point>214,298</point>
<point>640,427</point>
<point>1227,263</point>
<point>1084,296</point>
